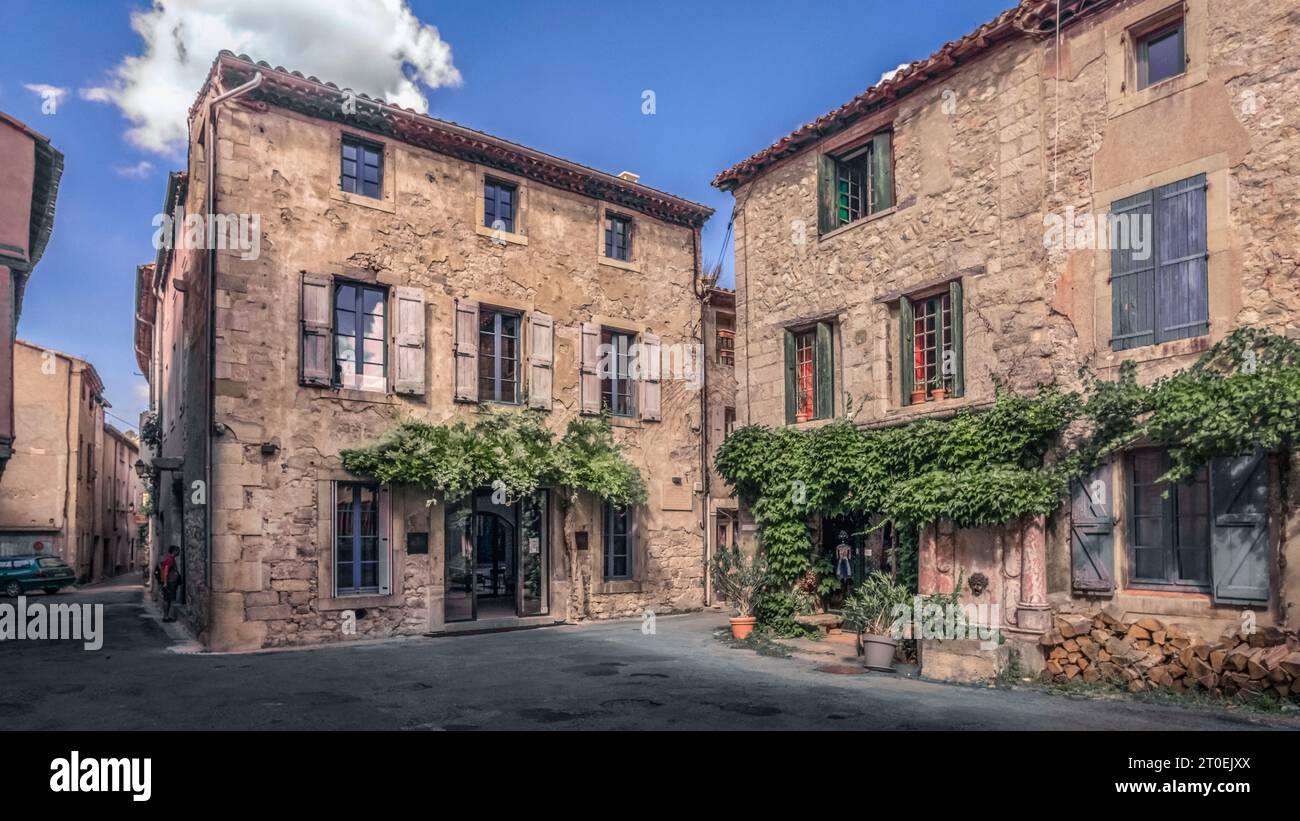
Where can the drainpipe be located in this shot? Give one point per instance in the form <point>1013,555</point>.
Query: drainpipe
<point>703,297</point>
<point>211,194</point>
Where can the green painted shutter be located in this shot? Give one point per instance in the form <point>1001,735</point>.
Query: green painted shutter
<point>958,339</point>
<point>1239,544</point>
<point>882,171</point>
<point>826,220</point>
<point>791,393</point>
<point>824,373</point>
<point>906,362</point>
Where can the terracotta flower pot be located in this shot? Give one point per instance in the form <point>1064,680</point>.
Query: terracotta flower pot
<point>939,394</point>
<point>742,626</point>
<point>878,652</point>
<point>918,396</point>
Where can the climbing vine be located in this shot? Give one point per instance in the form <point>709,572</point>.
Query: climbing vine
<point>989,467</point>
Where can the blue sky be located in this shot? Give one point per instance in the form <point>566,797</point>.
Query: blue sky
<point>566,77</point>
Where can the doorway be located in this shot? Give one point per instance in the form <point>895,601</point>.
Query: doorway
<point>496,555</point>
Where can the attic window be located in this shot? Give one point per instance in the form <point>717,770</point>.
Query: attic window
<point>1161,54</point>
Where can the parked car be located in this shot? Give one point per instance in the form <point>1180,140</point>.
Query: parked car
<point>18,574</point>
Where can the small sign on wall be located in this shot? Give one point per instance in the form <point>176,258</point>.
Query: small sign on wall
<point>417,543</point>
<point>675,495</point>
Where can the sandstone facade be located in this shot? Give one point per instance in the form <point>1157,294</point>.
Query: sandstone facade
<point>983,153</point>
<point>266,580</point>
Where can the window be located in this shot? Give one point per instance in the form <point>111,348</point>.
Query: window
<point>1159,276</point>
<point>726,325</point>
<point>809,374</point>
<point>360,566</point>
<point>1169,535</point>
<point>1160,55</point>
<point>498,356</point>
<point>856,183</point>
<point>618,237</point>
<point>728,422</point>
<point>931,355</point>
<point>499,199</point>
<point>360,331</point>
<point>363,168</point>
<point>618,542</point>
<point>617,388</point>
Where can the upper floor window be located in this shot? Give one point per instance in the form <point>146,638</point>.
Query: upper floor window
<point>932,357</point>
<point>617,387</point>
<point>360,331</point>
<point>498,356</point>
<point>618,237</point>
<point>809,374</point>
<point>1160,55</point>
<point>1159,273</point>
<point>856,183</point>
<point>499,202</point>
<point>726,325</point>
<point>728,422</point>
<point>618,542</point>
<point>363,168</point>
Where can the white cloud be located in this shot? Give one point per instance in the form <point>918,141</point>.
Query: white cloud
<point>374,46</point>
<point>138,171</point>
<point>47,92</point>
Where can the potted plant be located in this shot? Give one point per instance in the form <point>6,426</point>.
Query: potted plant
<point>871,611</point>
<point>918,395</point>
<point>739,580</point>
<point>938,392</point>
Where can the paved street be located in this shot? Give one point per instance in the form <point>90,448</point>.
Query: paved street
<point>603,676</point>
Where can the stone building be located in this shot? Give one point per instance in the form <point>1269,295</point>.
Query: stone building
<point>407,267</point>
<point>30,169</point>
<point>119,495</point>
<point>720,357</point>
<point>897,252</point>
<point>51,495</point>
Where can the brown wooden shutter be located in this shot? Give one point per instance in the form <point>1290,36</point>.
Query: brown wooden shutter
<point>465,349</point>
<point>650,364</point>
<point>541,359</point>
<point>589,387</point>
<point>316,363</point>
<point>409,373</point>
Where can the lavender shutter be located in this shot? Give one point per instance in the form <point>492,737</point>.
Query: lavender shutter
<point>1182,308</point>
<point>465,349</point>
<point>1239,543</point>
<point>1132,278</point>
<point>1092,532</point>
<point>541,360</point>
<point>409,377</point>
<point>316,360</point>
<point>651,390</point>
<point>589,379</point>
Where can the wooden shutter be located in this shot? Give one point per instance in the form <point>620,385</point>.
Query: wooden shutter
<point>465,351</point>
<point>791,381</point>
<point>589,379</point>
<point>1092,531</point>
<point>824,373</point>
<point>1132,280</point>
<point>956,305</point>
<point>541,359</point>
<point>409,373</point>
<point>1239,543</point>
<point>906,356</point>
<point>826,220</point>
<point>385,530</point>
<point>650,364</point>
<point>316,361</point>
<point>1182,307</point>
<point>882,171</point>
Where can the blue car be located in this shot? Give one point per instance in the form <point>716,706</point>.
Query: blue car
<point>18,574</point>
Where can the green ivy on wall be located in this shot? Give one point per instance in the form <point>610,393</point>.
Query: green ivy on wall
<point>990,467</point>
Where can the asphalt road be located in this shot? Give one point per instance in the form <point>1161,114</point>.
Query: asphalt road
<point>606,676</point>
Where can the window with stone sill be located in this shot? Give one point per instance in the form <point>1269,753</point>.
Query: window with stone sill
<point>362,168</point>
<point>932,351</point>
<point>809,373</point>
<point>726,326</point>
<point>618,543</point>
<point>360,540</point>
<point>618,237</point>
<point>500,200</point>
<point>1161,54</point>
<point>855,183</point>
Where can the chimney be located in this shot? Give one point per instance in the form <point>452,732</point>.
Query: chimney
<point>629,176</point>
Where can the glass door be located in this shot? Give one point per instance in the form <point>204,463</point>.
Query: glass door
<point>458,567</point>
<point>534,523</point>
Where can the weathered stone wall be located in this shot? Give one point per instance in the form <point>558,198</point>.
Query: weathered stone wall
<point>271,521</point>
<point>981,156</point>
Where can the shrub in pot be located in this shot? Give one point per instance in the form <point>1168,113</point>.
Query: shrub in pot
<point>739,581</point>
<point>871,610</point>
